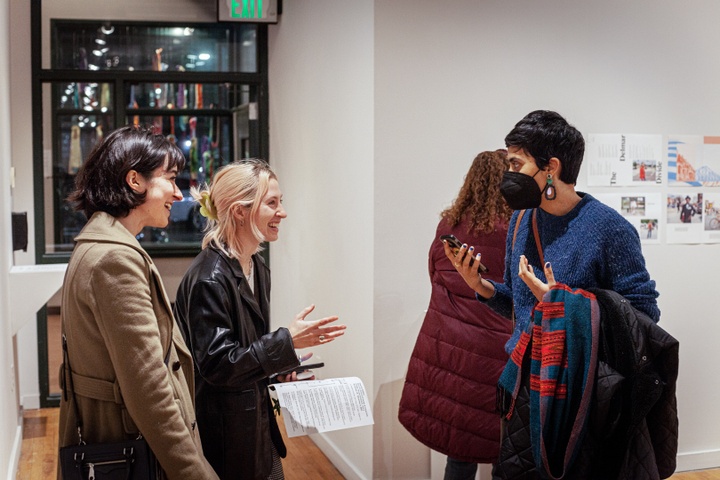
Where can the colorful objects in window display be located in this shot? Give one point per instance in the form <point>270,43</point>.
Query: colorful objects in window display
<point>75,161</point>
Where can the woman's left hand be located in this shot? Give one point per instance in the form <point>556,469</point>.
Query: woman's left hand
<point>527,275</point>
<point>309,333</point>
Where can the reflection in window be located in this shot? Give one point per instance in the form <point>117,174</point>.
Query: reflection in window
<point>195,84</point>
<point>97,45</point>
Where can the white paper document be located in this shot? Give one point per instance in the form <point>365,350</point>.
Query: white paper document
<point>323,405</point>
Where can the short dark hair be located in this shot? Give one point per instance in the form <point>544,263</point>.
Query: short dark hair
<point>100,185</point>
<point>545,134</point>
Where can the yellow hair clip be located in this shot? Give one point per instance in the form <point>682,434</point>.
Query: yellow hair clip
<point>207,208</point>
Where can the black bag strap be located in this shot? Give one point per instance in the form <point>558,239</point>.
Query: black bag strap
<point>69,380</point>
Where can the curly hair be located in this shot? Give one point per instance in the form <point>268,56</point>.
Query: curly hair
<point>479,199</point>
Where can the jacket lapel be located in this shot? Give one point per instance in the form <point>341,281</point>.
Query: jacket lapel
<point>246,294</point>
<point>103,227</point>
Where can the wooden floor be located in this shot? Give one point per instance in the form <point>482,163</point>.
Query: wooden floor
<point>304,461</point>
<point>38,455</point>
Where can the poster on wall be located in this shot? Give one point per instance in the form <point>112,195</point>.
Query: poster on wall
<point>624,160</point>
<point>642,210</point>
<point>711,216</point>
<point>693,160</point>
<point>684,215</point>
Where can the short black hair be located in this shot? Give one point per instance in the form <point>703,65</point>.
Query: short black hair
<point>545,134</point>
<point>100,185</point>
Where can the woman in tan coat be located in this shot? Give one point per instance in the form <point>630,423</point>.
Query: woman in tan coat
<point>132,372</point>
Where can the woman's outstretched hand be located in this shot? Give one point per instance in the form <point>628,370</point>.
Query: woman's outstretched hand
<point>527,275</point>
<point>310,333</point>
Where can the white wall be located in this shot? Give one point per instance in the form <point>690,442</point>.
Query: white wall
<point>9,423</point>
<point>321,145</point>
<point>452,78</point>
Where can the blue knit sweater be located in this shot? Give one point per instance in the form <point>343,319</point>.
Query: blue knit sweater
<point>591,246</point>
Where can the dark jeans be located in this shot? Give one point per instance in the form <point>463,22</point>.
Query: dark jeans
<point>459,470</point>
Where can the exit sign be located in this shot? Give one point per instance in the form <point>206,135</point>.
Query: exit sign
<point>251,11</point>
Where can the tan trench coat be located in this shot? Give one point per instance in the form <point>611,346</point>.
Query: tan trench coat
<point>119,328</point>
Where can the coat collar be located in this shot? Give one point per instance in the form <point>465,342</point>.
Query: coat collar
<point>258,303</point>
<point>103,227</point>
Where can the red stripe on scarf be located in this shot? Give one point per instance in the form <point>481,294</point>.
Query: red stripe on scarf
<point>553,348</point>
<point>550,388</point>
<point>519,350</point>
<point>553,310</point>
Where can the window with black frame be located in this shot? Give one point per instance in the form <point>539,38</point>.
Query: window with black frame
<point>201,85</point>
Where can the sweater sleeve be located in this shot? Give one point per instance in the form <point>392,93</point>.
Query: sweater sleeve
<point>625,272</point>
<point>502,300</point>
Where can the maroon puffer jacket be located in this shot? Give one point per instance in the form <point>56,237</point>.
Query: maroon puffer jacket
<point>448,401</point>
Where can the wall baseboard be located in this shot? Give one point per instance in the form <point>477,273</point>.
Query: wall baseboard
<point>336,457</point>
<point>698,460</point>
<point>30,402</point>
<point>14,459</point>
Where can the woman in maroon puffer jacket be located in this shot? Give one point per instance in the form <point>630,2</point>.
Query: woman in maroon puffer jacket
<point>448,401</point>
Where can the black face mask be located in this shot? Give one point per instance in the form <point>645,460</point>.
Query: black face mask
<point>520,191</point>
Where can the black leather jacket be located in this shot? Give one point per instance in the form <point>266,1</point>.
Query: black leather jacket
<point>226,327</point>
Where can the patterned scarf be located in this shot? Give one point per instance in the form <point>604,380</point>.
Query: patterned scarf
<point>563,358</point>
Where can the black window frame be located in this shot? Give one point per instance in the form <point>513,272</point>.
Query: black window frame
<point>120,80</point>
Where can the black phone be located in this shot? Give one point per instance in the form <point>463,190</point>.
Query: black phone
<point>456,245</point>
<point>302,368</point>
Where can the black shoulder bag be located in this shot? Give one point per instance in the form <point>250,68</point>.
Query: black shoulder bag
<point>126,460</point>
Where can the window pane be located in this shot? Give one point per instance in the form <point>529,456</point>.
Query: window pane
<point>185,95</point>
<point>206,142</point>
<point>79,121</point>
<point>96,45</point>
<point>86,97</point>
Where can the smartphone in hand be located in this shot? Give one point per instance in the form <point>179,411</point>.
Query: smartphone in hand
<point>302,368</point>
<point>455,245</point>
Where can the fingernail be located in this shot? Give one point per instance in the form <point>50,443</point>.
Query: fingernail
<point>464,245</point>
<point>547,264</point>
<point>472,248</point>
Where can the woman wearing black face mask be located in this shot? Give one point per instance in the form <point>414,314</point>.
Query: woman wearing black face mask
<point>589,244</point>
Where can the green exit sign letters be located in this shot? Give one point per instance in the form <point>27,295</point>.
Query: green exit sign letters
<point>252,11</point>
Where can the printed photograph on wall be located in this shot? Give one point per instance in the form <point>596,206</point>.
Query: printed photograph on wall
<point>642,210</point>
<point>649,229</point>
<point>645,170</point>
<point>712,211</point>
<point>684,216</point>
<point>684,207</point>
<point>633,205</point>
<point>694,160</point>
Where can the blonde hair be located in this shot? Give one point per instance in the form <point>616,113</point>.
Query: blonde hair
<point>241,184</point>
